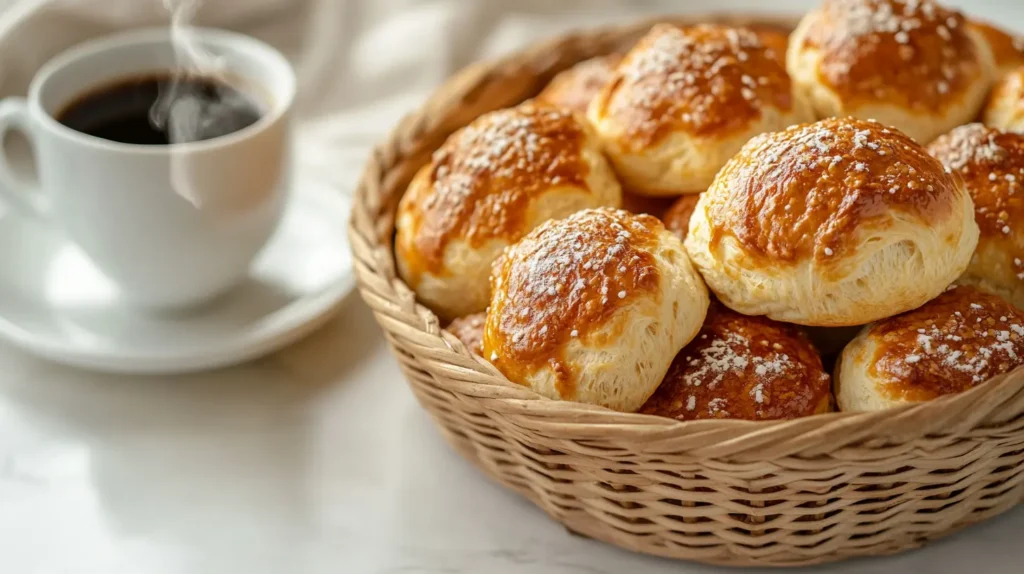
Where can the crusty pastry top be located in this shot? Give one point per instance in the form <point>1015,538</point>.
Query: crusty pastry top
<point>480,183</point>
<point>705,80</point>
<point>1007,50</point>
<point>958,340</point>
<point>775,37</point>
<point>742,367</point>
<point>576,87</point>
<point>991,163</point>
<point>803,191</point>
<point>1008,93</point>
<point>914,54</point>
<point>562,282</point>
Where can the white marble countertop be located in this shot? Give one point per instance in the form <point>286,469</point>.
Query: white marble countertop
<point>316,459</point>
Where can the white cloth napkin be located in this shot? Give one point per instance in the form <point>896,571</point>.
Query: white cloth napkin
<point>361,63</point>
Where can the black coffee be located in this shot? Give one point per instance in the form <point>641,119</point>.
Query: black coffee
<point>161,109</point>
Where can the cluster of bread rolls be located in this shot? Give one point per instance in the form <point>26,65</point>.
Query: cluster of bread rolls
<point>700,227</point>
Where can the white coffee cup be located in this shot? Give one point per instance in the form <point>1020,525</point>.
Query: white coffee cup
<point>174,225</point>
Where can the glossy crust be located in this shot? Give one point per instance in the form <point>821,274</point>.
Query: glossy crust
<point>593,308</point>
<point>576,87</point>
<point>991,163</point>
<point>836,223</point>
<point>911,64</point>
<point>953,343</point>
<point>743,367</point>
<point>470,330</point>
<point>774,38</point>
<point>1005,107</point>
<point>677,218</point>
<point>485,188</point>
<point>1007,50</point>
<point>684,100</point>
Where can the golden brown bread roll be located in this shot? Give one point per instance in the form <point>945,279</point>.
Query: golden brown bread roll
<point>684,100</point>
<point>593,308</point>
<point>911,64</point>
<point>743,367</point>
<point>1005,107</point>
<point>836,223</point>
<point>774,37</point>
<point>949,345</point>
<point>991,163</point>
<point>488,185</point>
<point>470,330</point>
<point>1007,50</point>
<point>677,218</point>
<point>576,87</point>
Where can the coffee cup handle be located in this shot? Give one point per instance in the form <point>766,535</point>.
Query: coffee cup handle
<point>15,192</point>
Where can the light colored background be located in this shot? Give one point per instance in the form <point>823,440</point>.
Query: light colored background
<point>316,459</point>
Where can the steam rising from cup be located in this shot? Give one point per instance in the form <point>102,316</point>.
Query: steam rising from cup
<point>184,112</point>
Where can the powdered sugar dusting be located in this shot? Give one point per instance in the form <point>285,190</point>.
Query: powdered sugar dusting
<point>912,52</point>
<point>805,189</point>
<point>566,273</point>
<point>701,78</point>
<point>991,164</point>
<point>486,175</point>
<point>744,367</point>
<point>961,339</point>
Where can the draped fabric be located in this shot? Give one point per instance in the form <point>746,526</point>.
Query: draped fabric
<point>361,63</point>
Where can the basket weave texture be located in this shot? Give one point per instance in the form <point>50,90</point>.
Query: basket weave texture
<point>730,492</point>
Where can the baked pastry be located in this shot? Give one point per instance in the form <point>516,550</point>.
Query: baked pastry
<point>991,163</point>
<point>677,218</point>
<point>576,87</point>
<point>774,37</point>
<point>593,308</point>
<point>1005,107</point>
<point>684,100</point>
<point>486,187</point>
<point>911,64</point>
<point>949,345</point>
<point>836,223</point>
<point>743,367</point>
<point>470,330</point>
<point>1007,50</point>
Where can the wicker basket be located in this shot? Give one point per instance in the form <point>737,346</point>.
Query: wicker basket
<point>730,492</point>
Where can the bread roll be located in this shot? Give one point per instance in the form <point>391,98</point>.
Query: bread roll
<point>488,185</point>
<point>991,163</point>
<point>774,37</point>
<point>1007,51</point>
<point>910,64</point>
<point>677,218</point>
<point>470,330</point>
<point>949,345</point>
<point>576,87</point>
<point>593,308</point>
<point>684,100</point>
<point>836,223</point>
<point>1005,107</point>
<point>743,367</point>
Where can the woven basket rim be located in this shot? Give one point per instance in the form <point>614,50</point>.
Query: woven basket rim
<point>370,229</point>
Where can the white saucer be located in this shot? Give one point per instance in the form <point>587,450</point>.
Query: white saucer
<point>55,304</point>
